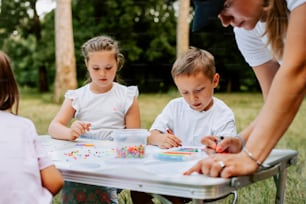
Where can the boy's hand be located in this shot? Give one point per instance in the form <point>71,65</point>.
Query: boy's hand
<point>229,145</point>
<point>226,145</point>
<point>169,141</point>
<point>78,128</point>
<point>211,143</point>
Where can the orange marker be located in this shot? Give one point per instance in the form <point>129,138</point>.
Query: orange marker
<point>219,149</point>
<point>89,145</point>
<point>86,145</point>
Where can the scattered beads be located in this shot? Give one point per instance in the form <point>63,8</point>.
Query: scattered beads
<point>135,151</point>
<point>85,154</point>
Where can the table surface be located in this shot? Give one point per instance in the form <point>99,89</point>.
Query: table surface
<point>93,162</point>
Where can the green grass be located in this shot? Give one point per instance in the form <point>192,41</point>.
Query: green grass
<point>40,109</point>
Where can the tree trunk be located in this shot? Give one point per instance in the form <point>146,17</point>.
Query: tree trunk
<point>43,85</point>
<point>182,40</point>
<point>64,47</point>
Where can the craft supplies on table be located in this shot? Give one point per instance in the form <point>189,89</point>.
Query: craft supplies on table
<point>130,143</point>
<point>157,176</point>
<point>181,154</point>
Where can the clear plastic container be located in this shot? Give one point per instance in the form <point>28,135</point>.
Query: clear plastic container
<point>130,143</point>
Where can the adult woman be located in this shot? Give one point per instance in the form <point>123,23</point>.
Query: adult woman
<point>271,36</point>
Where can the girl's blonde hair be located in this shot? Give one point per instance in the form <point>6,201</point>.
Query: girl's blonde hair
<point>103,43</point>
<point>276,25</point>
<point>192,62</point>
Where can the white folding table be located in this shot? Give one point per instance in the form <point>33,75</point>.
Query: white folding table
<point>158,177</point>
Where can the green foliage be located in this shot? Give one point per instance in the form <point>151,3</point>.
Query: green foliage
<point>22,63</point>
<point>25,43</point>
<point>146,31</point>
<point>141,27</point>
<point>13,17</point>
<point>45,54</point>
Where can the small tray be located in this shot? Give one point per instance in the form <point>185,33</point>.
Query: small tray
<point>180,154</point>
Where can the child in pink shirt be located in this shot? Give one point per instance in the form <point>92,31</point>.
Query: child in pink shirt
<point>27,174</point>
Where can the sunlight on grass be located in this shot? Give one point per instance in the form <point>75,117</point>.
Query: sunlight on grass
<point>41,110</point>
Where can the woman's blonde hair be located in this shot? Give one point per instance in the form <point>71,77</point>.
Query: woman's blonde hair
<point>276,25</point>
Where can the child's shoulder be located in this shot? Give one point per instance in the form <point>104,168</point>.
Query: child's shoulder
<point>180,101</point>
<point>130,90</point>
<point>122,86</point>
<point>219,101</point>
<point>221,105</point>
<point>176,100</point>
<point>72,93</point>
<point>17,120</point>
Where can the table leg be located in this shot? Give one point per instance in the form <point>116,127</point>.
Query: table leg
<point>280,182</point>
<point>197,201</point>
<point>234,193</point>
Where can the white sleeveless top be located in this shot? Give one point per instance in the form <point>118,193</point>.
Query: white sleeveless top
<point>105,111</point>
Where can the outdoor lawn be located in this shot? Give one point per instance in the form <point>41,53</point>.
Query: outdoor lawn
<point>41,109</point>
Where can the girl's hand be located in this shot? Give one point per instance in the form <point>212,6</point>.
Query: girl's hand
<point>78,128</point>
<point>224,165</point>
<point>225,145</point>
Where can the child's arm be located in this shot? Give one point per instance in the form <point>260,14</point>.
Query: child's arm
<point>52,179</point>
<point>58,127</point>
<point>132,117</point>
<point>164,141</point>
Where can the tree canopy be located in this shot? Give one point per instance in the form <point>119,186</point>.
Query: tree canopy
<point>146,31</point>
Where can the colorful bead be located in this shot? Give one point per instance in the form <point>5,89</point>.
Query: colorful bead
<point>136,151</point>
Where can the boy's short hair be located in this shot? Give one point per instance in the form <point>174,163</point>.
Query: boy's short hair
<point>192,62</point>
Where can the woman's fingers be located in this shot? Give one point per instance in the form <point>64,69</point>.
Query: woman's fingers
<point>196,168</point>
<point>224,165</point>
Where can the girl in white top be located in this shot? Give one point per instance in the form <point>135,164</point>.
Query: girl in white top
<point>271,35</point>
<point>99,105</point>
<point>104,111</point>
<point>186,120</point>
<point>27,173</point>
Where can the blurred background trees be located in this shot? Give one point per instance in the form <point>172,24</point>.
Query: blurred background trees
<point>146,30</point>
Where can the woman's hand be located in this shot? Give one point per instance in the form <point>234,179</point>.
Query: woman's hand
<point>78,128</point>
<point>224,165</point>
<point>216,144</point>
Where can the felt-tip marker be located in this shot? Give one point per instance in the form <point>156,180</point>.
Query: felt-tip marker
<point>85,145</point>
<point>220,138</point>
<point>219,149</point>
